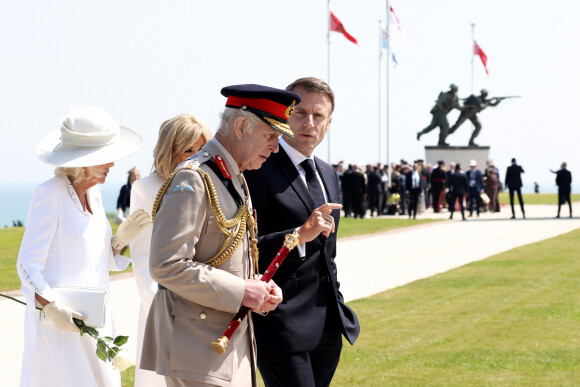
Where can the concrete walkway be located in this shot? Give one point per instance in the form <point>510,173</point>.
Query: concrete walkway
<point>366,265</point>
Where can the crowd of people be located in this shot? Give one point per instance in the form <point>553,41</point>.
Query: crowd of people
<point>404,188</point>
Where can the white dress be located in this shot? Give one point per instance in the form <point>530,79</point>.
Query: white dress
<point>143,193</point>
<point>63,245</point>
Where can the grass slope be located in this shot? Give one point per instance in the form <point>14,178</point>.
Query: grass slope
<point>511,319</point>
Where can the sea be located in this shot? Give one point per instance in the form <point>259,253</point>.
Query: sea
<point>15,199</point>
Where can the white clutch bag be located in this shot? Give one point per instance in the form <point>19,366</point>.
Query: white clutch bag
<point>91,302</point>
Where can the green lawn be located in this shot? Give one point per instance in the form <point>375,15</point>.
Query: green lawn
<point>510,320</point>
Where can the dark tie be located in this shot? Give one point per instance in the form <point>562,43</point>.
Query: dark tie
<point>313,183</point>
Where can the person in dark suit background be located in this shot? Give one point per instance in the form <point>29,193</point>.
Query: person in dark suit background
<point>414,183</point>
<point>475,181</point>
<point>458,187</point>
<point>300,343</point>
<point>346,187</point>
<point>358,192</point>
<point>513,180</point>
<point>374,189</point>
<point>401,179</point>
<point>564,183</point>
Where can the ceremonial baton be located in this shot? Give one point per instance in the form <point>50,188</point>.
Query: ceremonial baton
<point>290,241</point>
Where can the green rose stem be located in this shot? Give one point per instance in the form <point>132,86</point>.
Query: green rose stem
<point>107,347</point>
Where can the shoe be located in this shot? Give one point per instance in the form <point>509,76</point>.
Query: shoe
<point>513,217</point>
<point>464,218</point>
<point>524,216</point>
<point>557,216</point>
<point>451,216</point>
<point>470,214</point>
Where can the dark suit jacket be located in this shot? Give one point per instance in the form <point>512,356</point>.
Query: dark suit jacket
<point>358,182</point>
<point>374,183</point>
<point>409,181</point>
<point>513,179</point>
<point>283,203</point>
<point>458,183</point>
<point>564,180</point>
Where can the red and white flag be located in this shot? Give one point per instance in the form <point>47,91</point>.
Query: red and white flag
<point>393,18</point>
<point>478,51</point>
<point>337,26</point>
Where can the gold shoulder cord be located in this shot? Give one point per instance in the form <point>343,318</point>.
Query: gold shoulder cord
<point>234,228</point>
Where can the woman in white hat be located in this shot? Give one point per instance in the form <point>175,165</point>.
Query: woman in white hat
<point>179,138</point>
<point>68,243</point>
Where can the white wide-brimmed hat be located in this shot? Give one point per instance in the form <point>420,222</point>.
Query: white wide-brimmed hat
<point>473,163</point>
<point>88,136</point>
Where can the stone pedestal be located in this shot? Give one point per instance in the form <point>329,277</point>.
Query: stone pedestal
<point>457,154</point>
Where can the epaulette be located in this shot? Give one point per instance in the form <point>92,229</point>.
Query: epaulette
<point>191,163</point>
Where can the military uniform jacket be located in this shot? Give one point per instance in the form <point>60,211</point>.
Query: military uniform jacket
<point>198,301</point>
<point>309,284</point>
<point>438,178</point>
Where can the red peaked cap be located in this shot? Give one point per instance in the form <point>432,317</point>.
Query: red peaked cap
<point>273,106</point>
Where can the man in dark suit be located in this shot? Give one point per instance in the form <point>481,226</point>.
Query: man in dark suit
<point>300,344</point>
<point>475,181</point>
<point>414,184</point>
<point>346,187</point>
<point>513,180</point>
<point>374,189</point>
<point>458,187</point>
<point>564,183</point>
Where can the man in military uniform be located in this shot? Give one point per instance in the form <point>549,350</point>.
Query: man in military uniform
<point>203,248</point>
<point>445,103</point>
<point>473,105</point>
<point>438,183</point>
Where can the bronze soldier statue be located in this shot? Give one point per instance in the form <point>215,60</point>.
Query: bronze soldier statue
<point>445,103</point>
<point>471,106</point>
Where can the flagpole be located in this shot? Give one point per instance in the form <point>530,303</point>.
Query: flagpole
<point>387,58</point>
<point>328,68</point>
<point>379,84</point>
<point>472,52</point>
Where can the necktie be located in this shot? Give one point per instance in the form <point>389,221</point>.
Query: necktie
<point>314,187</point>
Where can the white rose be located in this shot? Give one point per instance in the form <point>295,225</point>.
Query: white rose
<point>122,360</point>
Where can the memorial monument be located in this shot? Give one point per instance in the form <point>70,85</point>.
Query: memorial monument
<point>472,105</point>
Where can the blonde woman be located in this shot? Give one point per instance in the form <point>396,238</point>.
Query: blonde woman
<point>179,138</point>
<point>68,243</point>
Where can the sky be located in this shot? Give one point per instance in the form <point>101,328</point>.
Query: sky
<point>147,61</point>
